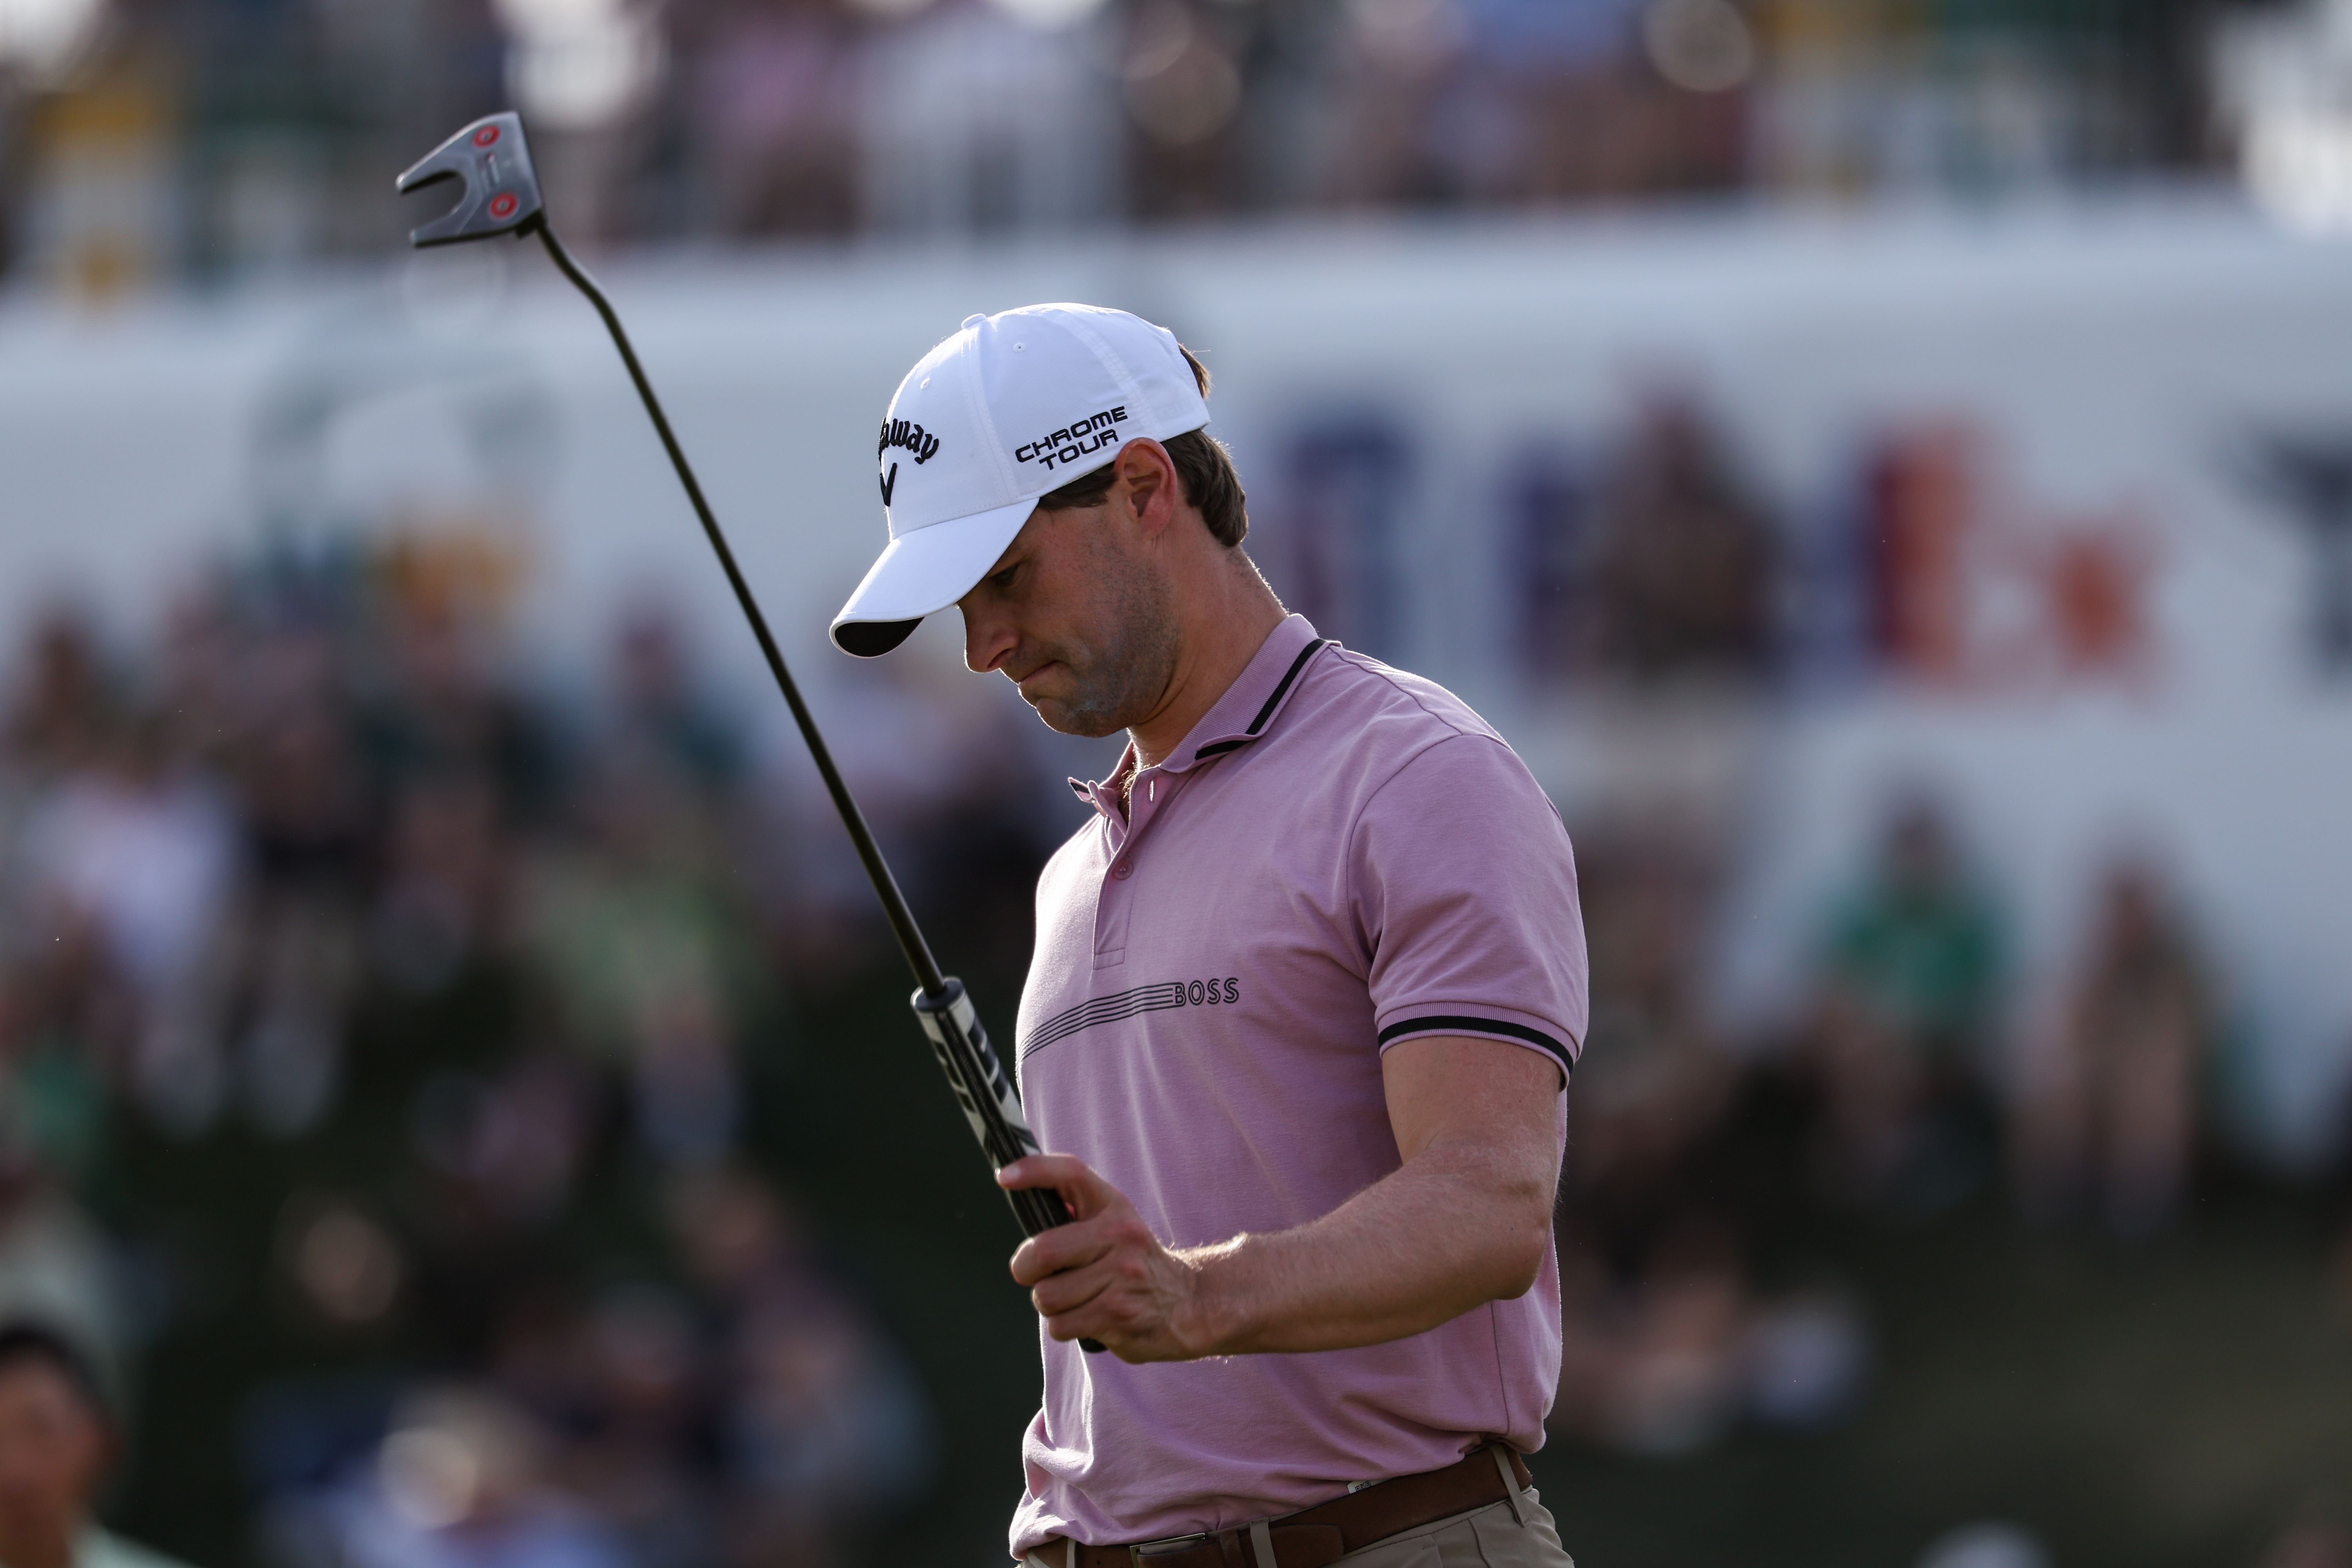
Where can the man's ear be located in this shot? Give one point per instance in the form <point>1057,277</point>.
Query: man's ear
<point>1148,477</point>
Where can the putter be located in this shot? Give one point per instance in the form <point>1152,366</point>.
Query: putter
<point>491,161</point>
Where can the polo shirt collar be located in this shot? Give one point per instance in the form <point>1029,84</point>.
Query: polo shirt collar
<point>1245,712</point>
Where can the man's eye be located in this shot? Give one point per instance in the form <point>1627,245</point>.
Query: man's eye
<point>1003,580</point>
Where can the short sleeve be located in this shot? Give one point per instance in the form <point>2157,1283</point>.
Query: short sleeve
<point>1464,886</point>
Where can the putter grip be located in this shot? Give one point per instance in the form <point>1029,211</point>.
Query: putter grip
<point>992,1106</point>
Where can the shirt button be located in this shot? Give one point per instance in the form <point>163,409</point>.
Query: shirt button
<point>1125,869</point>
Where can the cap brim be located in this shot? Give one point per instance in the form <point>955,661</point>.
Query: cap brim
<point>924,571</point>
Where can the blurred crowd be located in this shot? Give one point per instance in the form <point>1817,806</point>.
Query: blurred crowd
<point>1929,1062</point>
<point>140,138</point>
<point>1923,1073</point>
<point>401,1032</point>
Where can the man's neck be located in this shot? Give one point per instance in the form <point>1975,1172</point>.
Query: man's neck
<point>1222,634</point>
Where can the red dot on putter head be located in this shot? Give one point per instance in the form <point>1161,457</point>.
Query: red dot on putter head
<point>503,204</point>
<point>485,135</point>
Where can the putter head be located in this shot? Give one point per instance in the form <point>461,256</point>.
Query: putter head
<point>492,160</point>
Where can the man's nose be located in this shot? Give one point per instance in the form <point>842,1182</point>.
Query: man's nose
<point>987,638</point>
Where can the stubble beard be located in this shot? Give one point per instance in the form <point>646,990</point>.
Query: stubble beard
<point>1118,682</point>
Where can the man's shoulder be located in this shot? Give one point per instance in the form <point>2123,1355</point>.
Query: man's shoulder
<point>1378,709</point>
<point>1402,739</point>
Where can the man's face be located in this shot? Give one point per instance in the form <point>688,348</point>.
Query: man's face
<point>1079,617</point>
<point>53,1450</point>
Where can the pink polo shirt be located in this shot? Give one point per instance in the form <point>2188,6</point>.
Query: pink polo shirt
<point>1339,857</point>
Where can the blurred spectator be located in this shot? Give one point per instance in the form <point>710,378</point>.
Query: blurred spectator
<point>772,105</point>
<point>2107,1108</point>
<point>657,710</point>
<point>1990,1543</point>
<point>307,850</point>
<point>1653,1293</point>
<point>1181,75</point>
<point>632,930</point>
<point>493,1153</point>
<point>1682,576</point>
<point>62,698</point>
<point>439,710</point>
<point>348,1272</point>
<point>824,1429</point>
<point>1651,1085</point>
<point>446,882</point>
<point>643,1450</point>
<point>1906,994</point>
<point>461,1482</point>
<point>970,120</point>
<point>56,1265</point>
<point>1390,61</point>
<point>1652,1365</point>
<point>1667,1341</point>
<point>2310,1543</point>
<point>1662,566</point>
<point>56,1445</point>
<point>635,944</point>
<point>137,853</point>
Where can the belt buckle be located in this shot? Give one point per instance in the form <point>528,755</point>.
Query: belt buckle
<point>1138,1553</point>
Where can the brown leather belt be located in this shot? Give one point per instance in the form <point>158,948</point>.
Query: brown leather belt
<point>1323,1533</point>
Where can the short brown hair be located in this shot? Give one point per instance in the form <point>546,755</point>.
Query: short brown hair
<point>1204,468</point>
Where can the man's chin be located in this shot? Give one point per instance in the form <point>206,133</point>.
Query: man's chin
<point>1050,688</point>
<point>1071,718</point>
<point>1065,720</point>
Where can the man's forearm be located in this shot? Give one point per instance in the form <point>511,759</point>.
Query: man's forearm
<point>1457,1225</point>
<point>1465,1219</point>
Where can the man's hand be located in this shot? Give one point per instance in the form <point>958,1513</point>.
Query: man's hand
<point>1465,1219</point>
<point>1104,1275</point>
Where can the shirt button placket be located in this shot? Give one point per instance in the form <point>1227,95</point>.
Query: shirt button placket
<point>1110,916</point>
<point>1111,907</point>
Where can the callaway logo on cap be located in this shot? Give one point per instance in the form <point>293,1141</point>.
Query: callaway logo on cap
<point>1012,406</point>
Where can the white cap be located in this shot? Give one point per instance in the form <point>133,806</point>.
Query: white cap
<point>1012,406</point>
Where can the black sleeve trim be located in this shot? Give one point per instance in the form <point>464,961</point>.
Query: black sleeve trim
<point>1446,1023</point>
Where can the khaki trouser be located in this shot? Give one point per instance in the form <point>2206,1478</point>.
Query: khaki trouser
<point>1488,1537</point>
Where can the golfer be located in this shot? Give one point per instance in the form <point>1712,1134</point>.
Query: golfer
<point>1307,991</point>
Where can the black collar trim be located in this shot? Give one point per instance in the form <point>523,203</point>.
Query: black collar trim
<point>1272,701</point>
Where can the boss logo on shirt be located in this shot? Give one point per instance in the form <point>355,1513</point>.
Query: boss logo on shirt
<point>1222,991</point>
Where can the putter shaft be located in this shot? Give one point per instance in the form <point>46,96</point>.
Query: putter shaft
<point>886,886</point>
<point>985,1094</point>
<point>490,160</point>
